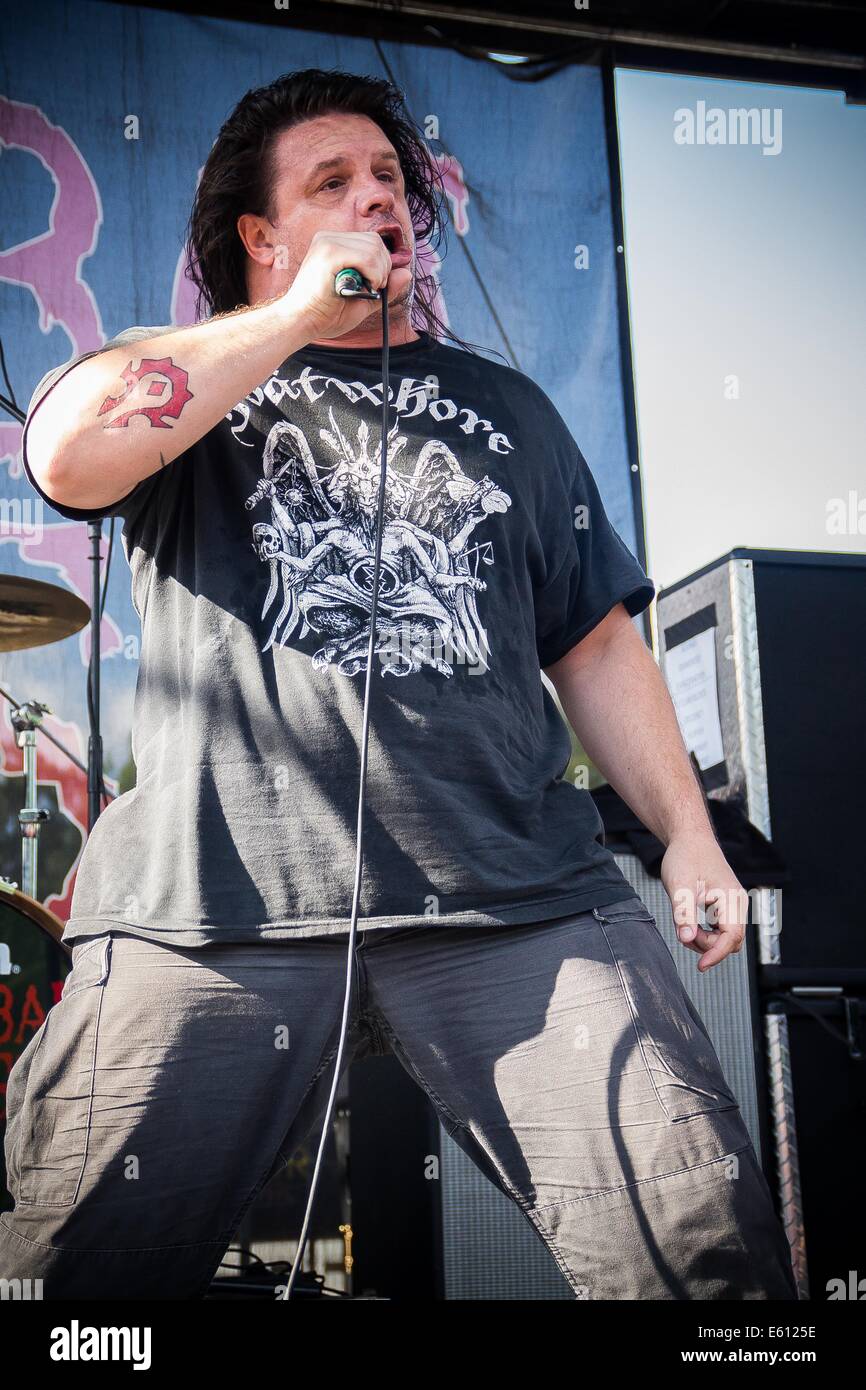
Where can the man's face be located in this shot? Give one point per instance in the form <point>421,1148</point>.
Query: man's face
<point>338,173</point>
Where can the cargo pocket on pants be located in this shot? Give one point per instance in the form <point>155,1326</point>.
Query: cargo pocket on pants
<point>677,1050</point>
<point>49,1102</point>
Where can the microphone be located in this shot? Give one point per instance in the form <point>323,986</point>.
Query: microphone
<point>350,284</point>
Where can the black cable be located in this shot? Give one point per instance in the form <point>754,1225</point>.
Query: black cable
<point>467,254</point>
<point>13,410</point>
<point>104,794</point>
<point>365,723</point>
<point>6,379</point>
<point>107,567</point>
<point>276,1269</point>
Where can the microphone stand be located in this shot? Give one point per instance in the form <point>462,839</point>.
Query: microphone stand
<point>94,742</point>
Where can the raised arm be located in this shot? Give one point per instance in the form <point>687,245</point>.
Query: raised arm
<point>121,415</point>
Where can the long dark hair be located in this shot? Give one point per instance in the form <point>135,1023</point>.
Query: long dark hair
<point>238,178</point>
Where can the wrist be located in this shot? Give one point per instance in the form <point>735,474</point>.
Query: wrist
<point>697,830</point>
<point>293,325</point>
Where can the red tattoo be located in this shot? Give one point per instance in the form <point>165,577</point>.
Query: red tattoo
<point>174,383</point>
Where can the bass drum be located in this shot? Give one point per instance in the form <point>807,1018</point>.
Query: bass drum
<point>33,967</point>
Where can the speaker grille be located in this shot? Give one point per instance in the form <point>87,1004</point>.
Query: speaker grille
<point>490,1249</point>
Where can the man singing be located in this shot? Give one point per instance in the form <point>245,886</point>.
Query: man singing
<point>502,955</point>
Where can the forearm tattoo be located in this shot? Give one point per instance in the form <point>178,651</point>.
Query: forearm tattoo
<point>169,384</point>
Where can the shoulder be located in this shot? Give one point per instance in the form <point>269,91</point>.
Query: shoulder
<point>498,378</point>
<point>137,333</point>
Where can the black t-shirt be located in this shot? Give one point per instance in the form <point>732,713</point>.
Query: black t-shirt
<point>252,564</point>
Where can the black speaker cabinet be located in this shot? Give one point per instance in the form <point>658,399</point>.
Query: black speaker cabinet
<point>764,653</point>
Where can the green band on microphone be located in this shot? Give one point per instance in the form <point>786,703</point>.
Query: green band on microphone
<point>348,279</point>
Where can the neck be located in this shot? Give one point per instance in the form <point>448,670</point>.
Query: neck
<point>369,333</point>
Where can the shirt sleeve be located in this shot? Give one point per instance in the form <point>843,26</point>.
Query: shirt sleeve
<point>143,490</point>
<point>587,567</point>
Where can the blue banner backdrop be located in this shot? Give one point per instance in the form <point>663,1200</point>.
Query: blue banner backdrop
<point>91,242</point>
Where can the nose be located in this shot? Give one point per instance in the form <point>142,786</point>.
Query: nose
<point>376,196</point>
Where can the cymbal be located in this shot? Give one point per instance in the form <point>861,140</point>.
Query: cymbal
<point>33,613</point>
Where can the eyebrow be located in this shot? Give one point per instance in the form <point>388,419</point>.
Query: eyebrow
<point>339,159</point>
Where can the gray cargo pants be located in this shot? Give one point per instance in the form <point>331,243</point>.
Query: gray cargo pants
<point>564,1057</point>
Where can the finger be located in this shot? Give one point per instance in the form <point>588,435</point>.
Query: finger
<point>702,941</point>
<point>727,907</point>
<point>685,914</point>
<point>724,944</point>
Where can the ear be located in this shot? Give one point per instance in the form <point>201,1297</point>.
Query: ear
<point>259,238</point>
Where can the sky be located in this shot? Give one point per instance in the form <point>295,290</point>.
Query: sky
<point>747,297</point>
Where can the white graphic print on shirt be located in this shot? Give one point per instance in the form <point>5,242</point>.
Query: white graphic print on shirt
<point>319,545</point>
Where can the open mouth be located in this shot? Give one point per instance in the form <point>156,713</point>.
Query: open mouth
<point>392,235</point>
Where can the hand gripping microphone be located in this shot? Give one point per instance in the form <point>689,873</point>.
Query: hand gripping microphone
<point>350,283</point>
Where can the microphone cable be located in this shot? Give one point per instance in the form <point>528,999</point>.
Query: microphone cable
<point>349,283</point>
